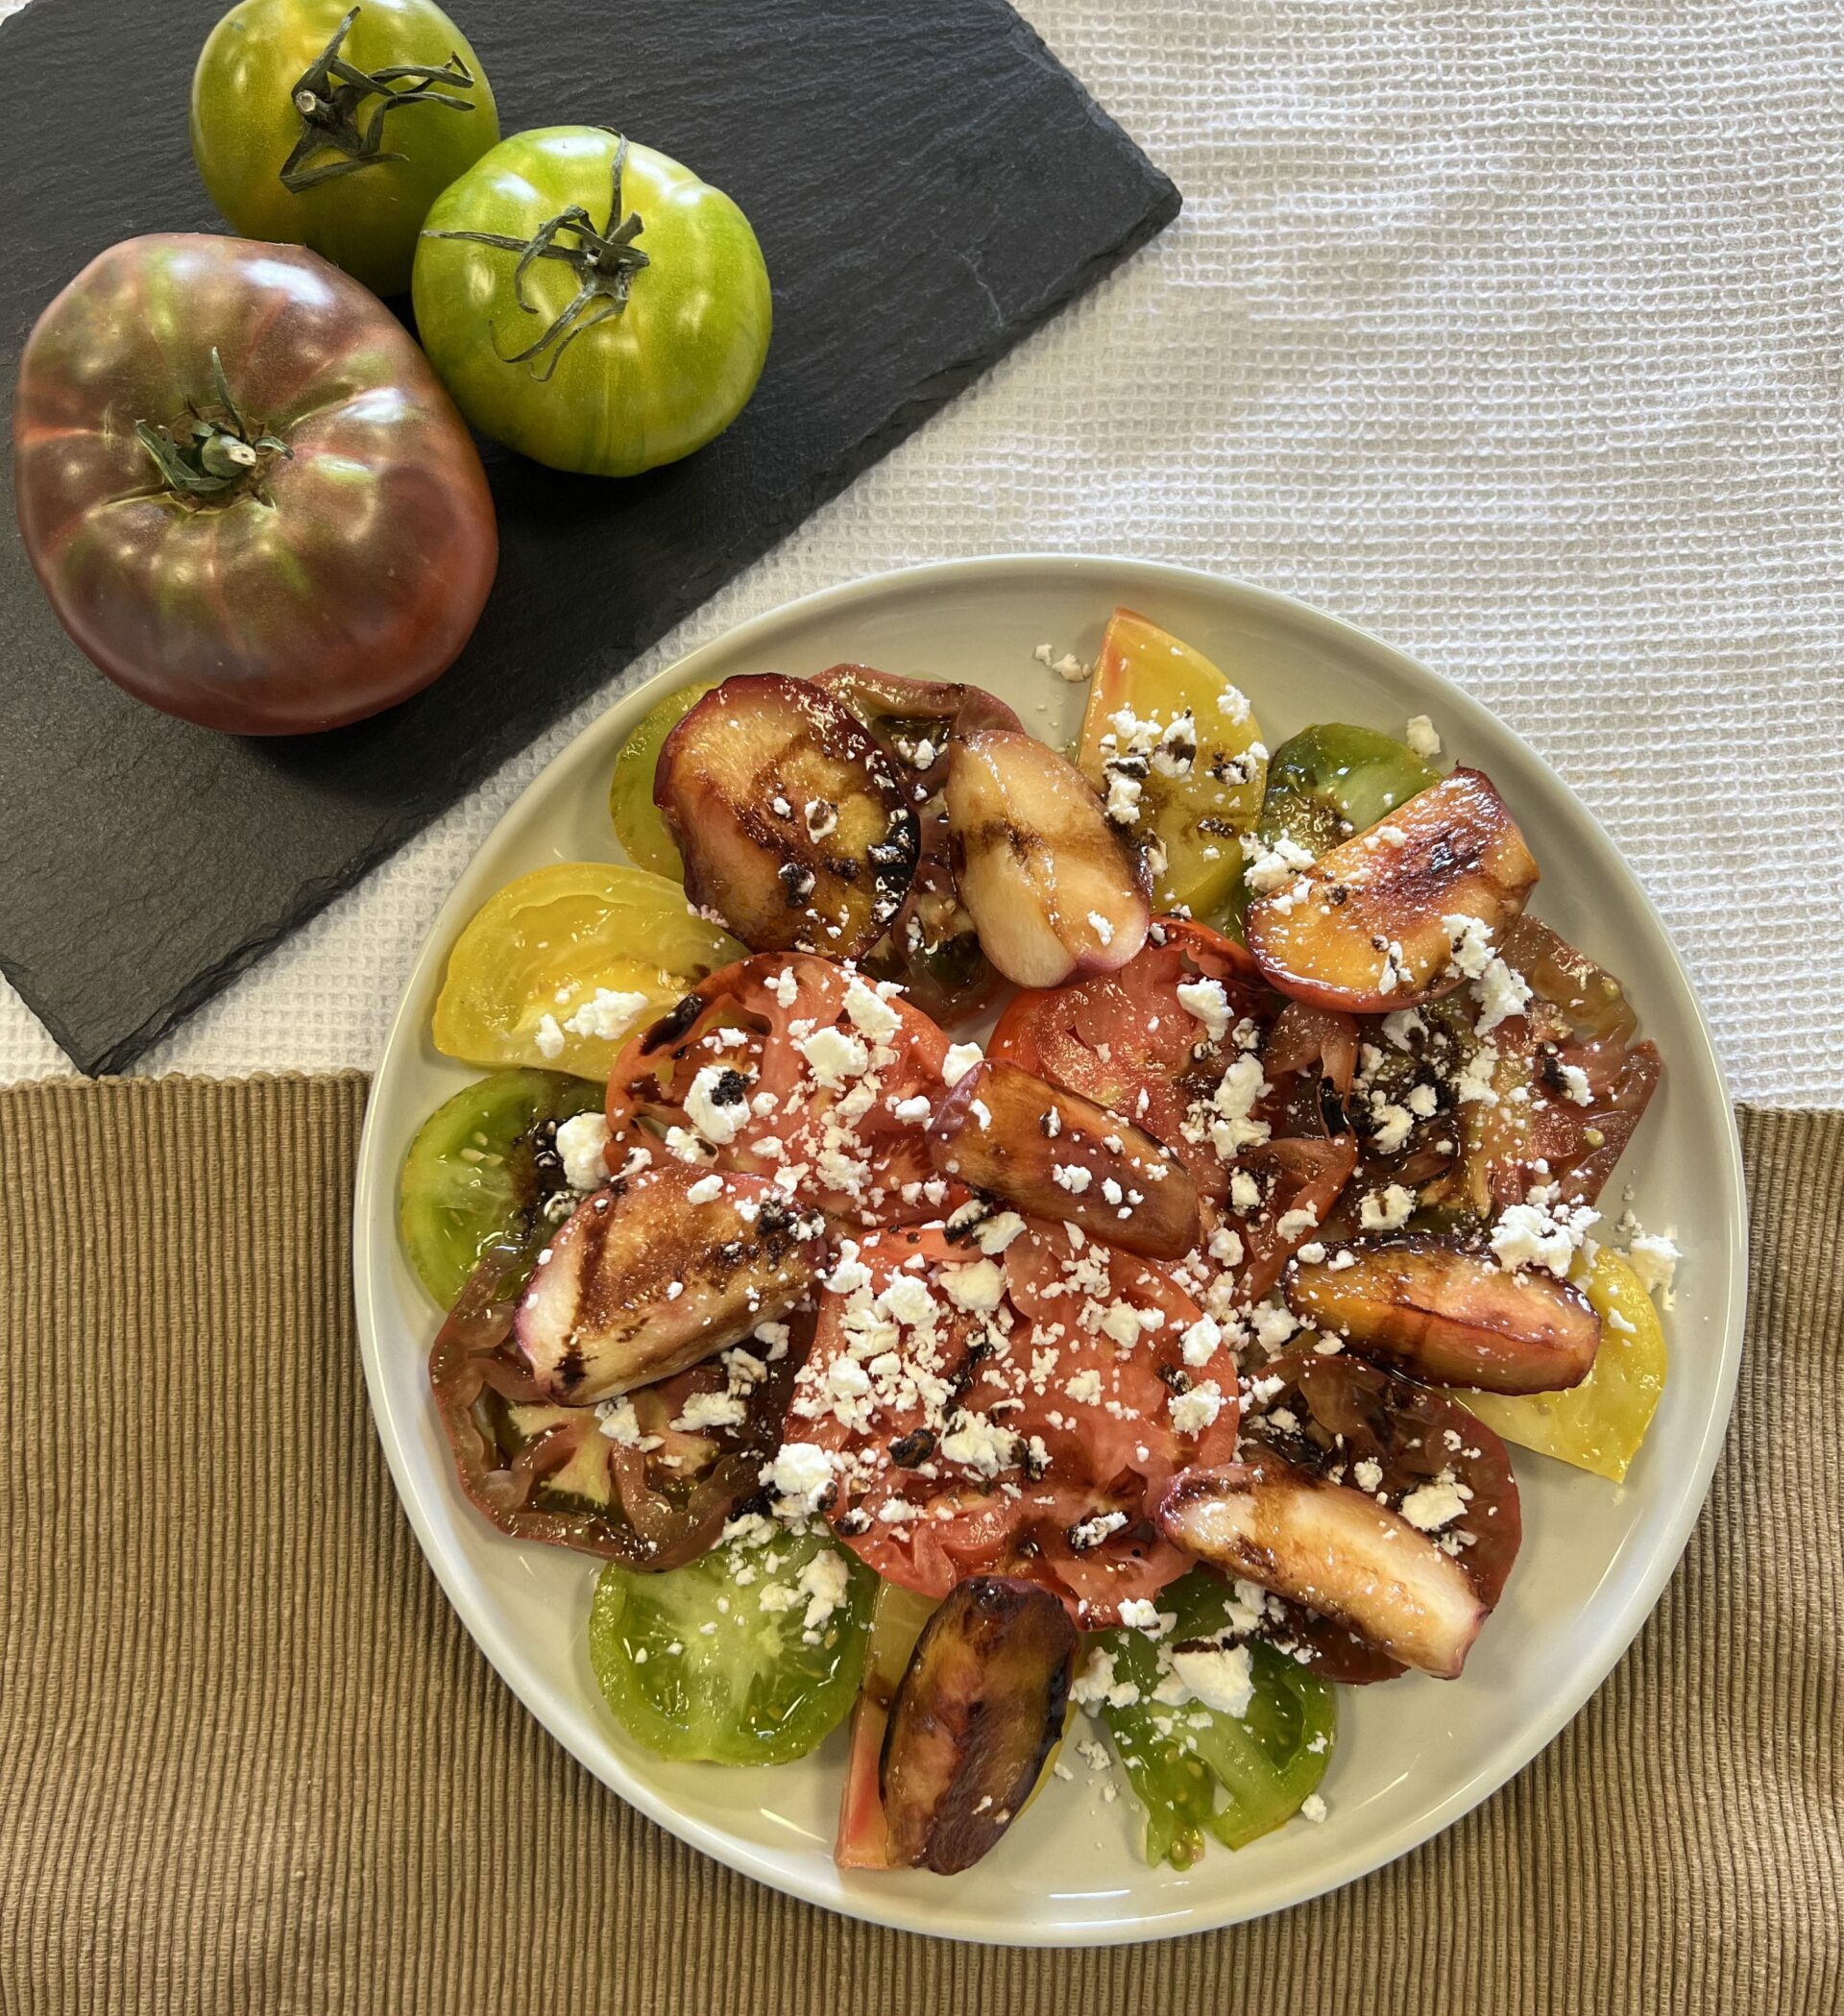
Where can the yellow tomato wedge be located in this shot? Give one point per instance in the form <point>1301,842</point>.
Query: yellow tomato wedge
<point>1199,786</point>
<point>558,968</point>
<point>637,824</point>
<point>1599,1424</point>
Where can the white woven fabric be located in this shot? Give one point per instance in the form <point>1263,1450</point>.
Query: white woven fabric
<point>1512,332</point>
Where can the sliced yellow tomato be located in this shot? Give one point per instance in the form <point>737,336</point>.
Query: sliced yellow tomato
<point>558,968</point>
<point>1599,1424</point>
<point>637,824</point>
<point>1187,738</point>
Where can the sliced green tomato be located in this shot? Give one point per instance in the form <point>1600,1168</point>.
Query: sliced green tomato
<point>897,1617</point>
<point>1198,1771</point>
<point>562,965</point>
<point>698,1663</point>
<point>1329,781</point>
<point>482,1168</point>
<point>1198,814</point>
<point>1599,1424</point>
<point>637,824</point>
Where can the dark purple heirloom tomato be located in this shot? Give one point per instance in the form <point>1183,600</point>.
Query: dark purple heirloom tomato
<point>246,494</point>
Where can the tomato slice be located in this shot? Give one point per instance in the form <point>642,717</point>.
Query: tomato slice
<point>1198,1770</point>
<point>558,966</point>
<point>752,1655</point>
<point>620,1482</point>
<point>638,824</point>
<point>1125,1040</point>
<point>1599,1424</point>
<point>1336,1416</point>
<point>799,1071</point>
<point>483,1169</point>
<point>1016,1414</point>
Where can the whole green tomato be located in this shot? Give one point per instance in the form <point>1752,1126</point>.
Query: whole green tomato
<point>591,302</point>
<point>315,122</point>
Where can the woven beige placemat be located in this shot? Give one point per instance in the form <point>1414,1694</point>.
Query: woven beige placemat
<point>250,1762</point>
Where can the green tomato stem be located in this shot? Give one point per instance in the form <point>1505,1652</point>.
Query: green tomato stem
<point>328,95</point>
<point>211,457</point>
<point>604,262</point>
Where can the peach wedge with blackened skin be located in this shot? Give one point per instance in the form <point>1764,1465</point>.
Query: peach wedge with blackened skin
<point>1051,886</point>
<point>657,1272</point>
<point>1362,928</point>
<point>793,824</point>
<point>1055,1154</point>
<point>1451,1316</point>
<point>1333,1549</point>
<point>974,1721</point>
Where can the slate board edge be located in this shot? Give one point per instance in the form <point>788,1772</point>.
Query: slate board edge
<point>1162,206</point>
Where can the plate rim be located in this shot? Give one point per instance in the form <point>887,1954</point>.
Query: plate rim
<point>374,1192</point>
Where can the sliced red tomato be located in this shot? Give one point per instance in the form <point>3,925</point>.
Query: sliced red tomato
<point>1026,1433</point>
<point>792,1068</point>
<point>1537,1130</point>
<point>656,1499</point>
<point>1299,1181</point>
<point>1125,1040</point>
<point>1333,1416</point>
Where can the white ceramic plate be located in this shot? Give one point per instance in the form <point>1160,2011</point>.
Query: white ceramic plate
<point>1410,1758</point>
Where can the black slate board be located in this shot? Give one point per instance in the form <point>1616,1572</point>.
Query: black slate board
<point>928,184</point>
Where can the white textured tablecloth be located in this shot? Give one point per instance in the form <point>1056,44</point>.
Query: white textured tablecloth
<point>1514,333</point>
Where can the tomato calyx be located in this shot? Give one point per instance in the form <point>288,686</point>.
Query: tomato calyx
<point>328,94</point>
<point>604,262</point>
<point>208,458</point>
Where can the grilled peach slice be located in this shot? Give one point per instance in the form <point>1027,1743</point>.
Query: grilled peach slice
<point>1360,929</point>
<point>657,1272</point>
<point>1052,888</point>
<point>1333,1549</point>
<point>793,824</point>
<point>977,1714</point>
<point>914,719</point>
<point>1451,1316</point>
<point>1055,1154</point>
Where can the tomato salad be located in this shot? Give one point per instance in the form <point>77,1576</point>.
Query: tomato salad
<point>1154,1357</point>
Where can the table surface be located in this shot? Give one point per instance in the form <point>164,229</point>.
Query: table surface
<point>1510,331</point>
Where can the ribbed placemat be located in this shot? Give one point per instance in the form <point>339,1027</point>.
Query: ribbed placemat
<point>250,1762</point>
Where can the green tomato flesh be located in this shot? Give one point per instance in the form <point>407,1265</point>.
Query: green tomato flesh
<point>1201,1772</point>
<point>639,824</point>
<point>481,1171</point>
<point>1332,781</point>
<point>245,123</point>
<point>642,387</point>
<point>693,1664</point>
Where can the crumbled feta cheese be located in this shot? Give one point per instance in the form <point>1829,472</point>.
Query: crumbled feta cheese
<point>1219,1677</point>
<point>1313,1807</point>
<point>710,1410</point>
<point>548,1037</point>
<point>1070,1176</point>
<point>979,1444</point>
<point>998,1232</point>
<point>1367,1474</point>
<point>1291,1224</point>
<point>1101,927</point>
<point>1541,1231</point>
<point>619,1421</point>
<point>1272,1324</point>
<point>869,1013</point>
<point>1207,1000</point>
<point>1432,1506</point>
<point>717,1103</point>
<point>825,1582</point>
<point>706,1190</point>
<point>1386,1210</point>
<point>801,1475</point>
<point>912,1111</point>
<point>608,1014</point>
<point>1271,868</point>
<point>1421,736</point>
<point>1575,1086</point>
<point>822,818</point>
<point>1402,1025</point>
<point>834,1055</point>
<point>1123,798</point>
<point>1192,1412</point>
<point>582,1143</point>
<point>979,1286</point>
<point>960,1059</point>
<point>1199,1344</point>
<point>1654,1257</point>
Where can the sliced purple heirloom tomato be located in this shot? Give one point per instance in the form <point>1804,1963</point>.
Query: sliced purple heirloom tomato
<point>1452,1316</point>
<point>1384,1510</point>
<point>653,1497</point>
<point>795,826</point>
<point>1361,929</point>
<point>658,1272</point>
<point>974,1721</point>
<point>935,948</point>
